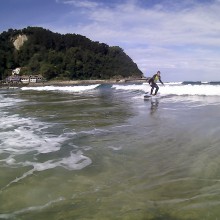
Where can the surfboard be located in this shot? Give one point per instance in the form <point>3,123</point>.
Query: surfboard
<point>148,96</point>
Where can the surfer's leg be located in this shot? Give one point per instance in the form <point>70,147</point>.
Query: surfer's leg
<point>157,88</point>
<point>152,89</point>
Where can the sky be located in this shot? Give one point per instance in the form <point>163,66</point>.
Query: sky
<point>181,38</point>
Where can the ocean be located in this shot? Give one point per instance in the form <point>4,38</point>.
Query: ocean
<point>102,152</point>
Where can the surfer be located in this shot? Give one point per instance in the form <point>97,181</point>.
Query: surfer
<point>153,83</point>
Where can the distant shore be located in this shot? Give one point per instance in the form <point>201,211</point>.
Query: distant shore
<point>72,82</point>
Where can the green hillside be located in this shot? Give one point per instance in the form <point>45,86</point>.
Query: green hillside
<point>70,56</point>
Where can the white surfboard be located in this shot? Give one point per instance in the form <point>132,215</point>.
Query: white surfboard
<point>148,96</point>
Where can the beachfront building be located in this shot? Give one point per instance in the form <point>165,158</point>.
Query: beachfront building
<point>36,79</point>
<point>24,79</point>
<point>13,79</point>
<point>16,78</point>
<point>31,79</point>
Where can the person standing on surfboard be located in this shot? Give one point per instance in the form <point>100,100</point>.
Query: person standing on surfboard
<point>153,83</point>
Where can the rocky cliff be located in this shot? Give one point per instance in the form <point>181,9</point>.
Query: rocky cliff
<point>19,41</point>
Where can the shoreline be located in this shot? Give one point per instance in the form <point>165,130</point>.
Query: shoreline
<point>72,82</point>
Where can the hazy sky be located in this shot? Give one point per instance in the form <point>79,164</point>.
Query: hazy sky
<point>181,38</point>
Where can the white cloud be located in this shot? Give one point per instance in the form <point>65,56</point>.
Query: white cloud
<point>178,39</point>
<point>80,4</point>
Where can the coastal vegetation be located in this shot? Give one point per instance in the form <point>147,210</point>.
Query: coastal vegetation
<point>66,57</point>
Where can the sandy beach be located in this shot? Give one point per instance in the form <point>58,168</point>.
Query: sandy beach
<point>73,82</point>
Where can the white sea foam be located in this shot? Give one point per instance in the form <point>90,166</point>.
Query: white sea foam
<point>76,161</point>
<point>63,88</point>
<point>8,101</point>
<point>173,83</point>
<point>22,135</point>
<point>141,87</point>
<point>115,148</point>
<point>29,137</point>
<point>175,89</point>
<point>94,131</point>
<point>199,90</point>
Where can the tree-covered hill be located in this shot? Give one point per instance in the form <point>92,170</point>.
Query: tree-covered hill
<point>68,56</point>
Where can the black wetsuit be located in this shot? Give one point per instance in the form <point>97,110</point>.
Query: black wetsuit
<point>153,83</point>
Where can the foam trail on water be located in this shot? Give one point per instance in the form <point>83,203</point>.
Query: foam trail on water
<point>76,161</point>
<point>28,209</point>
<point>62,88</point>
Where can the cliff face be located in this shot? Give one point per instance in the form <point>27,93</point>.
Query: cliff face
<point>19,41</point>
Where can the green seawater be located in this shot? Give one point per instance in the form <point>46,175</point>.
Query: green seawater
<point>108,155</point>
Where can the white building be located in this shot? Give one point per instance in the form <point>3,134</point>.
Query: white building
<point>25,79</point>
<point>31,79</point>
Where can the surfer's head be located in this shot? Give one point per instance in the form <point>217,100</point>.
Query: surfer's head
<point>158,72</point>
